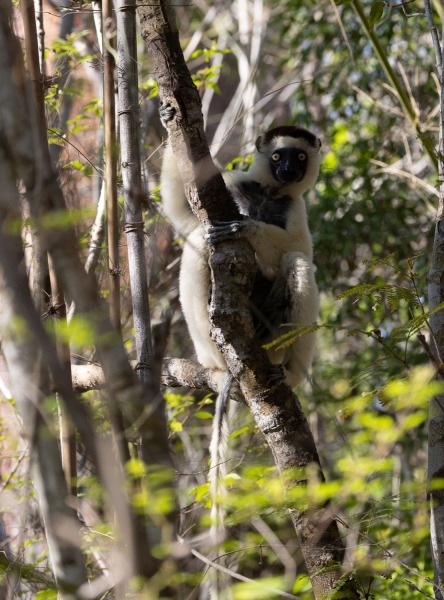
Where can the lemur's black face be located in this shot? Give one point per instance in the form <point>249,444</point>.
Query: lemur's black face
<point>288,165</point>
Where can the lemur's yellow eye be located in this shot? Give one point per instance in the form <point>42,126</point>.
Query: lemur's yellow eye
<point>302,156</point>
<point>275,156</point>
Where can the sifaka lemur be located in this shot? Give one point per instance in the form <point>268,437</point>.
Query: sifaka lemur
<point>274,221</point>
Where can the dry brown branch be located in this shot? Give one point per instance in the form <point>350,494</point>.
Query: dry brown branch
<point>176,372</point>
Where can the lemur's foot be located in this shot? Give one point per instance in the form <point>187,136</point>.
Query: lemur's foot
<point>277,375</point>
<point>166,112</point>
<point>224,230</point>
<point>235,392</point>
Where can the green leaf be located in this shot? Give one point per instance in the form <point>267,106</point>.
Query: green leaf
<point>289,338</point>
<point>238,432</point>
<point>136,467</point>
<point>364,289</point>
<point>201,491</point>
<point>176,426</point>
<point>76,164</point>
<point>263,589</point>
<point>376,13</point>
<point>49,594</point>
<point>232,477</point>
<point>203,414</point>
<point>330,161</point>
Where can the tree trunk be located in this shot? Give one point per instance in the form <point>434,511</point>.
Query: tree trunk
<point>436,297</point>
<point>436,408</point>
<point>141,406</point>
<point>29,378</point>
<point>274,407</point>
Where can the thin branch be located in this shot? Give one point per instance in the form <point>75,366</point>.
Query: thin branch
<point>176,372</point>
<point>401,94</point>
<point>410,177</point>
<point>222,569</point>
<point>342,28</point>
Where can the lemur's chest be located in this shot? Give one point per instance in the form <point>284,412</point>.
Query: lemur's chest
<point>258,202</point>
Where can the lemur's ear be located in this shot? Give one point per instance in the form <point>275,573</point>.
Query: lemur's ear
<point>259,144</point>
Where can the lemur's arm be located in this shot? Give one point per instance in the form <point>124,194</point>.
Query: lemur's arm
<point>269,242</point>
<point>174,202</point>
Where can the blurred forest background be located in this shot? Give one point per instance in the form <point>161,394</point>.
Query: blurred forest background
<point>259,63</point>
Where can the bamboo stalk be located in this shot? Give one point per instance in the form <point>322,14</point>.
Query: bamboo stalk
<point>134,224</point>
<point>111,161</point>
<point>132,181</point>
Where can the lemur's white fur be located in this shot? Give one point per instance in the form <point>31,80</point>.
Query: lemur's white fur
<point>279,252</point>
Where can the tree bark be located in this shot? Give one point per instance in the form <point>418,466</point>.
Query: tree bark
<point>436,407</point>
<point>273,406</point>
<point>435,468</point>
<point>176,372</point>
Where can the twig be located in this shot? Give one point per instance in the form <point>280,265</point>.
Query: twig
<point>401,94</point>
<point>231,573</point>
<point>434,35</point>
